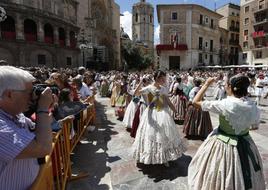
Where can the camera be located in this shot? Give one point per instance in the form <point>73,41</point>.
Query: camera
<point>37,91</point>
<point>39,88</point>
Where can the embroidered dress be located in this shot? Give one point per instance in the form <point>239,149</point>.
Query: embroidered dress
<point>180,103</point>
<point>130,112</point>
<point>228,159</point>
<point>157,140</point>
<point>197,122</point>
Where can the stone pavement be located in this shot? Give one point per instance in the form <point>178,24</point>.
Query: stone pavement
<point>105,155</point>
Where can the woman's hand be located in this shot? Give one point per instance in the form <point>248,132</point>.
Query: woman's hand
<point>209,81</point>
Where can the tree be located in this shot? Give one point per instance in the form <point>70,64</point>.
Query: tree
<point>134,57</point>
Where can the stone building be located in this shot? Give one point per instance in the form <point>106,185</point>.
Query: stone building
<point>231,22</point>
<point>39,33</point>
<point>143,25</point>
<point>189,36</point>
<point>100,33</point>
<point>254,31</point>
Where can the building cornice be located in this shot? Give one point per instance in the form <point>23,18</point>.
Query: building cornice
<point>185,6</point>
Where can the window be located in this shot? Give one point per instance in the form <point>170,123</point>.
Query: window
<point>237,14</point>
<point>137,17</point>
<point>200,43</point>
<point>233,13</point>
<point>174,16</point>
<point>211,23</point>
<point>206,20</point>
<point>206,56</point>
<point>151,19</point>
<point>232,36</point>
<point>68,61</point>
<point>211,45</point>
<point>200,58</point>
<point>210,59</point>
<point>237,37</point>
<point>171,38</point>
<point>245,44</point>
<point>245,32</point>
<point>246,9</point>
<point>201,19</point>
<point>206,44</point>
<point>237,25</point>
<point>258,54</point>
<point>41,59</point>
<point>245,55</point>
<point>246,21</point>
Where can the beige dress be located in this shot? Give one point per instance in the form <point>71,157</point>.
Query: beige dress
<point>217,163</point>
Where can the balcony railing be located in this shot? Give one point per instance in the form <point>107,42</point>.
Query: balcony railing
<point>234,42</point>
<point>259,34</point>
<point>8,35</point>
<point>30,37</point>
<point>49,40</point>
<point>260,21</point>
<point>234,29</point>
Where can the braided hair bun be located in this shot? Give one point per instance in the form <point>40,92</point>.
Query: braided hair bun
<point>239,85</point>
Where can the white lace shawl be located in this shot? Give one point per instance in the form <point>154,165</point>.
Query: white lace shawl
<point>241,113</point>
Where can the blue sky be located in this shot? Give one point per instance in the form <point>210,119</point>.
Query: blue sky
<point>126,9</point>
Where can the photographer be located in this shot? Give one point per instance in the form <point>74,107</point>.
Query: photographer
<point>20,148</point>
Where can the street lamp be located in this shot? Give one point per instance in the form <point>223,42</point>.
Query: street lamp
<point>83,47</point>
<point>3,14</point>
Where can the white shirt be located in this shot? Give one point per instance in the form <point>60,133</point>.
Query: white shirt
<point>85,91</point>
<point>241,113</point>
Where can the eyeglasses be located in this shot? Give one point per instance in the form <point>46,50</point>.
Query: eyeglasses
<point>27,91</point>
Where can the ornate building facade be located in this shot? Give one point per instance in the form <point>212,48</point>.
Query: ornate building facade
<point>143,24</point>
<point>189,36</point>
<point>100,32</point>
<point>39,33</point>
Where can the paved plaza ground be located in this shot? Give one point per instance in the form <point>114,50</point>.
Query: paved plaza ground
<point>105,155</point>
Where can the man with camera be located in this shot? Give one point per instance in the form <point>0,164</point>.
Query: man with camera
<point>20,148</point>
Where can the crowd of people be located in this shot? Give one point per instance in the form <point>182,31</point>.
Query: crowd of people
<point>149,105</point>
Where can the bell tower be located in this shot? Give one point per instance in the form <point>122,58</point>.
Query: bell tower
<point>143,24</point>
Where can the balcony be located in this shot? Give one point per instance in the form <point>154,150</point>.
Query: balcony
<point>48,40</point>
<point>260,21</point>
<point>234,29</point>
<point>234,42</point>
<point>259,46</point>
<point>259,34</point>
<point>167,47</point>
<point>30,37</point>
<point>8,35</point>
<point>260,8</point>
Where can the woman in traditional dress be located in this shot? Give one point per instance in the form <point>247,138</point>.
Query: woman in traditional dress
<point>229,158</point>
<point>179,100</point>
<point>141,106</point>
<point>157,140</point>
<point>131,108</point>
<point>197,123</point>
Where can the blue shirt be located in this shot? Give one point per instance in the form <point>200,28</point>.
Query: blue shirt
<point>16,174</point>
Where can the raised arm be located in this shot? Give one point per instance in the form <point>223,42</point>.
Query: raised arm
<point>197,101</point>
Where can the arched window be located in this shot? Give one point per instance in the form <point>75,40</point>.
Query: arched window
<point>62,37</point>
<point>49,36</point>
<point>30,30</point>
<point>72,39</point>
<point>8,30</point>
